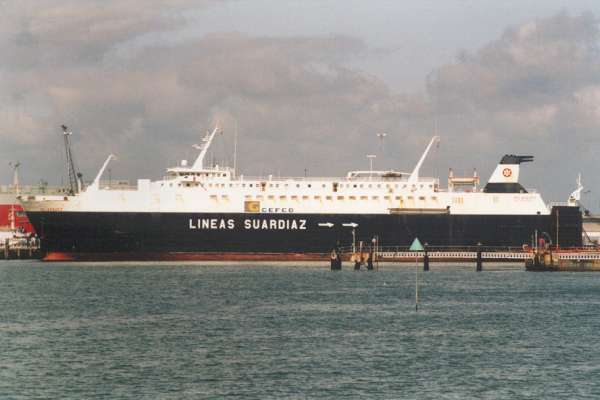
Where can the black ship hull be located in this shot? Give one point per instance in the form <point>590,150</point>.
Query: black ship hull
<point>146,236</point>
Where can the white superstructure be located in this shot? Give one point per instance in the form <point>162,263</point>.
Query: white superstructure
<point>217,189</point>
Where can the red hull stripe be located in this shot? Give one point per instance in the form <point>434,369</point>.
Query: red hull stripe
<point>174,256</point>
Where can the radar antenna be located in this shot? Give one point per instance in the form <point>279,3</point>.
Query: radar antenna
<point>73,175</point>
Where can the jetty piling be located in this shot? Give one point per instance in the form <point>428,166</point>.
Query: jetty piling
<point>20,249</point>
<point>479,261</point>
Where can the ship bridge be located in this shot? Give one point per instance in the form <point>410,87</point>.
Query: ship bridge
<point>186,174</point>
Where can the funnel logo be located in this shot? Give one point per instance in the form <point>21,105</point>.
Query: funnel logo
<point>507,172</point>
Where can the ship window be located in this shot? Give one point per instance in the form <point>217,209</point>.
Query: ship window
<point>329,198</point>
<point>323,185</point>
<point>352,197</point>
<point>250,185</point>
<point>304,197</point>
<point>340,197</point>
<point>398,197</point>
<point>247,196</point>
<point>283,197</point>
<point>361,186</point>
<point>354,185</point>
<point>375,197</point>
<point>434,198</point>
<point>370,185</point>
<point>403,186</point>
<point>243,185</point>
<point>277,185</point>
<point>271,197</point>
<point>379,186</point>
<point>317,197</point>
<point>294,197</point>
<point>422,198</point>
<point>297,185</point>
<point>259,197</point>
<point>364,197</point>
<point>430,186</point>
<point>187,184</point>
<point>421,186</point>
<point>309,185</point>
<point>224,175</point>
<point>386,197</point>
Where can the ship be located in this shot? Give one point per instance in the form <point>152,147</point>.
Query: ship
<point>209,212</point>
<point>14,223</point>
<point>13,220</point>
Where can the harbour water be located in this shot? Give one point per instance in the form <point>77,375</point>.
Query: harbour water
<point>171,331</point>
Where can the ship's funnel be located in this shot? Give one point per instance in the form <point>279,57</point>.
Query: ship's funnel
<point>505,178</point>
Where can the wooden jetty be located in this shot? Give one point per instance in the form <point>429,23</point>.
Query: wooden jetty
<point>20,248</point>
<point>565,260</point>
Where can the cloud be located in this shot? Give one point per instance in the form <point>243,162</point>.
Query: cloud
<point>535,89</point>
<point>294,100</point>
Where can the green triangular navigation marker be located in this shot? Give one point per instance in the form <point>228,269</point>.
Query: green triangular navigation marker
<point>416,245</point>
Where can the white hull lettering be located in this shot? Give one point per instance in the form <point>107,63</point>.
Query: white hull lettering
<point>275,224</point>
<point>249,224</point>
<point>212,223</point>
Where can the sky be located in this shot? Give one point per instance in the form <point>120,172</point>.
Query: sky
<point>307,84</point>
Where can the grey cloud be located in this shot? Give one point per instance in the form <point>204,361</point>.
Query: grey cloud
<point>534,90</point>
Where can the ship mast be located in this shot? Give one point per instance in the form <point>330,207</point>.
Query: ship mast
<point>15,166</point>
<point>73,176</point>
<point>12,215</point>
<point>414,176</point>
<point>203,147</point>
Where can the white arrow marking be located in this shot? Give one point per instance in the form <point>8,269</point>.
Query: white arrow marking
<point>327,224</point>
<point>351,224</point>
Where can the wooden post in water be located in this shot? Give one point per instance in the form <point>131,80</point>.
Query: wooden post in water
<point>426,259</point>
<point>479,266</point>
<point>416,283</point>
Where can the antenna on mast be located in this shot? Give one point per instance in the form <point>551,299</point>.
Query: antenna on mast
<point>72,174</point>
<point>381,136</point>
<point>235,136</point>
